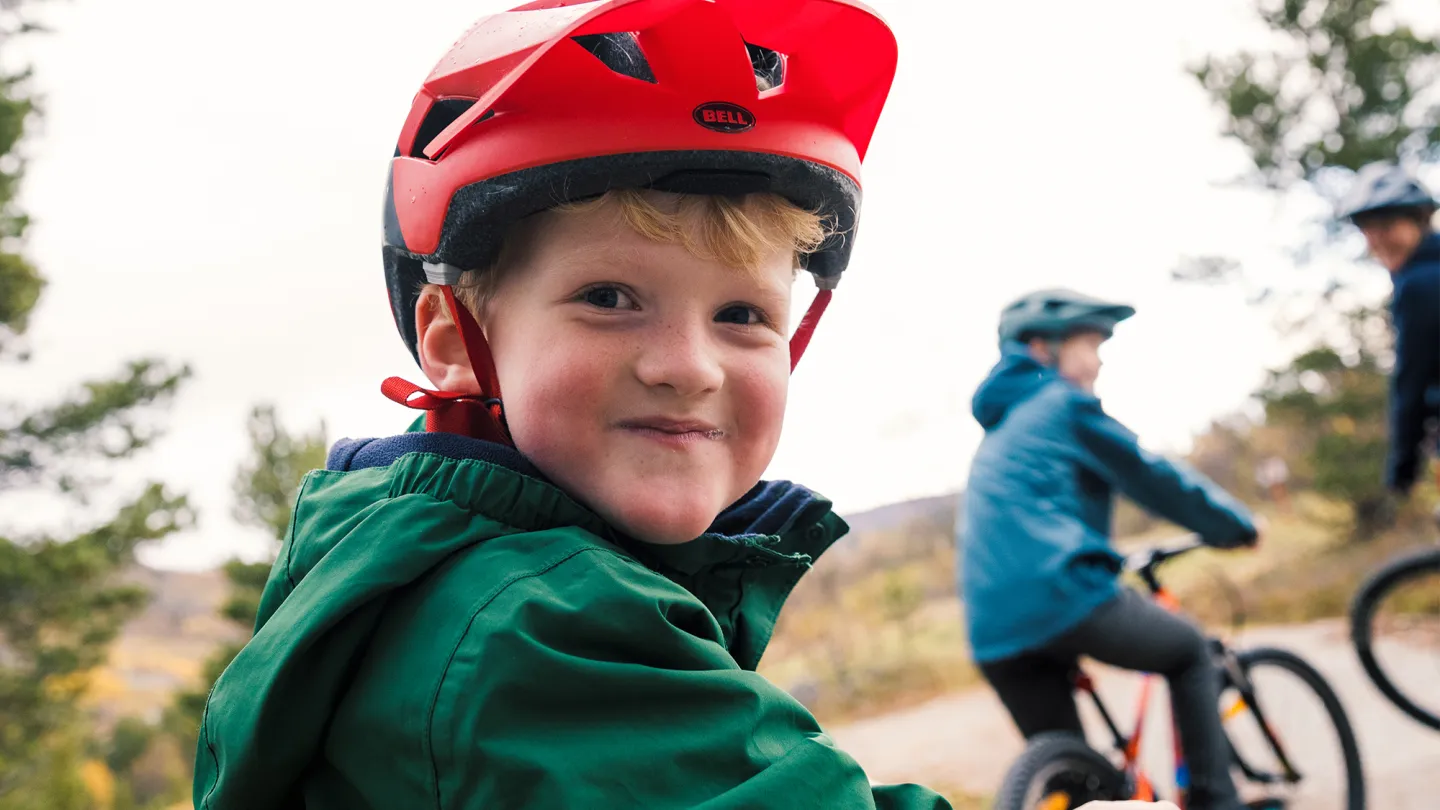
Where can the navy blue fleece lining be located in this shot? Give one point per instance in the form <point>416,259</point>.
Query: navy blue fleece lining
<point>358,454</point>
<point>768,508</point>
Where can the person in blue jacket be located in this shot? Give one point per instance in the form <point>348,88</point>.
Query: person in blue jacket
<point>1039,577</point>
<point>1395,213</point>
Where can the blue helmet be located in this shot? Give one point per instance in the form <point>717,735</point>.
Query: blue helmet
<point>1381,186</point>
<point>1057,313</point>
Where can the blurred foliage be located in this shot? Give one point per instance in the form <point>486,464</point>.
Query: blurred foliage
<point>265,486</point>
<point>1332,401</point>
<point>1341,84</point>
<point>1338,84</point>
<point>128,742</point>
<point>20,282</point>
<point>1304,571</point>
<point>58,445</point>
<point>62,600</point>
<point>265,489</point>
<point>876,624</point>
<point>60,608</point>
<point>54,777</point>
<point>1324,414</point>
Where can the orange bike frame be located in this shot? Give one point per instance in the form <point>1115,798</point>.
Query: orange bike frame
<point>1144,788</point>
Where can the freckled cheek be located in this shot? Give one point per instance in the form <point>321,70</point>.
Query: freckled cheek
<point>557,397</point>
<point>760,394</point>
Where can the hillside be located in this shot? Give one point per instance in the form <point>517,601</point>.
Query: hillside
<point>890,516</point>
<point>161,651</point>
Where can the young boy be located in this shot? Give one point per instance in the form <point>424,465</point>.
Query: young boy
<point>1396,214</point>
<point>1038,574</point>
<point>555,596</point>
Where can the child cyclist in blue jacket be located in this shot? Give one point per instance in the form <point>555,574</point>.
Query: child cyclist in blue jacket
<point>1038,573</point>
<point>1396,213</point>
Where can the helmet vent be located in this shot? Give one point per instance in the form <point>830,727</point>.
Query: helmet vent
<point>441,115</point>
<point>769,66</point>
<point>619,52</point>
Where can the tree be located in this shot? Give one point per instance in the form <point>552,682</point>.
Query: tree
<point>61,603</point>
<point>265,488</point>
<point>1344,83</point>
<point>20,282</point>
<point>60,779</point>
<point>128,743</point>
<point>145,768</point>
<point>1341,84</point>
<point>1332,399</point>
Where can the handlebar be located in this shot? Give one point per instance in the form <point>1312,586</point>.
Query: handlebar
<point>1146,562</point>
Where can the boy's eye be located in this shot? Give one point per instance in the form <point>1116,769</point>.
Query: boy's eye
<point>607,297</point>
<point>741,314</point>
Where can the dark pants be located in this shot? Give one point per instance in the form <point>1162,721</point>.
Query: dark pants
<point>1130,632</point>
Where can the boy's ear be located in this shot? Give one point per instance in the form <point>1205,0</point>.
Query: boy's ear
<point>1040,350</point>
<point>441,350</point>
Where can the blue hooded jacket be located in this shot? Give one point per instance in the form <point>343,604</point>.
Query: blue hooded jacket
<point>1034,538</point>
<point>1415,382</point>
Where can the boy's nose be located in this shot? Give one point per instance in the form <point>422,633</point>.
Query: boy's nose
<point>682,357</point>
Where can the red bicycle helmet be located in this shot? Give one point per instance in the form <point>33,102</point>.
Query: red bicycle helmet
<point>560,100</point>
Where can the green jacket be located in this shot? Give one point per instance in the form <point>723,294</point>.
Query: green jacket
<point>444,629</point>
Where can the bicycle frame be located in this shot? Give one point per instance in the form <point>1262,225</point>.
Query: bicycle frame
<point>1129,745</point>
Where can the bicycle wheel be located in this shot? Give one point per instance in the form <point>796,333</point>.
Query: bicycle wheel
<point>1059,771</point>
<point>1395,626</point>
<point>1289,735</point>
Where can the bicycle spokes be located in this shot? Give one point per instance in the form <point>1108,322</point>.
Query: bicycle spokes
<point>1287,735</point>
<point>1241,706</point>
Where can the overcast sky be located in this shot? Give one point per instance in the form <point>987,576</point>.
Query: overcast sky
<point>207,183</point>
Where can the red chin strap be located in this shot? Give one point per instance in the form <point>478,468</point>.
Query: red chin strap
<point>481,415</point>
<point>801,338</point>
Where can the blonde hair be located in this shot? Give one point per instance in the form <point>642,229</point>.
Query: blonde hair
<point>738,232</point>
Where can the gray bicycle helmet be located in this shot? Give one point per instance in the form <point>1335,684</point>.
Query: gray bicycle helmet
<point>1057,313</point>
<point>1383,186</point>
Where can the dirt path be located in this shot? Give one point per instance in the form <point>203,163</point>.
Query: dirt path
<point>967,740</point>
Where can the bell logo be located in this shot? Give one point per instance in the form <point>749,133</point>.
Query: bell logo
<point>722,116</point>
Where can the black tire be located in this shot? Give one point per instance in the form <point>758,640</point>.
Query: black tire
<point>1057,761</point>
<point>1362,624</point>
<point>1251,660</point>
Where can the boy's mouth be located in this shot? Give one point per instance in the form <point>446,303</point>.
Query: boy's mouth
<point>672,431</point>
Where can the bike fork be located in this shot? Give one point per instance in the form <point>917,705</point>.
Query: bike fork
<point>1230,664</point>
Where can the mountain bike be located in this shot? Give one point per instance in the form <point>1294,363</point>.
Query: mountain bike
<point>1264,727</point>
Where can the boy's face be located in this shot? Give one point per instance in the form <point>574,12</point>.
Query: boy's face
<point>648,383</point>
<point>1079,360</point>
<point>1392,237</point>
<point>1076,358</point>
